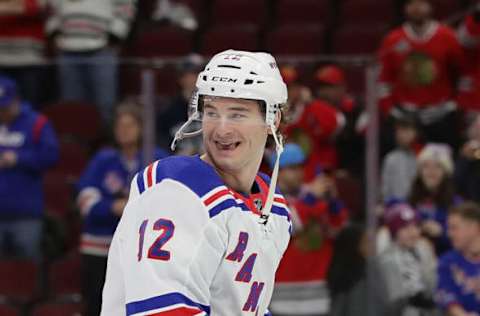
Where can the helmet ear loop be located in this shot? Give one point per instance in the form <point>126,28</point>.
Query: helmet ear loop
<point>180,134</point>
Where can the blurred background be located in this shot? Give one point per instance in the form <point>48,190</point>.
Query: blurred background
<point>381,166</point>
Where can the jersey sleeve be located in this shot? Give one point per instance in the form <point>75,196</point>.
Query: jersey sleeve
<point>164,254</point>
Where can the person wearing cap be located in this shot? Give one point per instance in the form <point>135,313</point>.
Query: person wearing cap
<point>458,291</point>
<point>419,65</point>
<point>317,215</point>
<point>433,193</point>
<point>28,146</point>
<point>299,95</point>
<point>175,113</point>
<point>408,265</point>
<point>399,166</point>
<point>318,126</point>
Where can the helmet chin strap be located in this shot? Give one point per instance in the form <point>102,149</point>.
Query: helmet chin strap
<point>273,181</point>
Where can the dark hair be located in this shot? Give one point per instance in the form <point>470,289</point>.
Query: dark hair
<point>469,210</point>
<point>348,265</point>
<point>442,197</point>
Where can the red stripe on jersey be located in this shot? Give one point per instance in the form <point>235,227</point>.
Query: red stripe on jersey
<point>280,200</point>
<point>181,311</point>
<point>149,175</point>
<point>216,196</point>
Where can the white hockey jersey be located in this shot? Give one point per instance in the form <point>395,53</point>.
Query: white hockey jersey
<point>188,245</point>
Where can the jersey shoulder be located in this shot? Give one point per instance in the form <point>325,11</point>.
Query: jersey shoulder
<point>193,173</point>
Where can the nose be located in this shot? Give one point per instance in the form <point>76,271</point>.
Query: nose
<point>223,128</point>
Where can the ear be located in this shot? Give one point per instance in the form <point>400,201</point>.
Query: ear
<point>278,119</point>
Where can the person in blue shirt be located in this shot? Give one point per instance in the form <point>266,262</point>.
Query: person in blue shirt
<point>28,146</point>
<point>458,291</point>
<point>102,194</point>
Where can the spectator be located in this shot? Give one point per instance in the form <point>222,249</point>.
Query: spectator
<point>87,35</point>
<point>332,87</point>
<point>317,215</point>
<point>176,13</point>
<point>103,191</point>
<point>468,35</point>
<point>458,292</point>
<point>28,147</point>
<point>347,276</point>
<point>408,265</point>
<point>400,165</point>
<point>22,45</point>
<point>420,62</point>
<point>433,193</point>
<point>175,114</point>
<point>299,95</point>
<point>318,125</point>
<point>467,168</point>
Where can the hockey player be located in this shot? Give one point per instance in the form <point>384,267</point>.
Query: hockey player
<point>204,235</point>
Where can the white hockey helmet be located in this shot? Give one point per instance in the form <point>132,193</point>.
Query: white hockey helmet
<point>239,74</point>
<point>243,75</point>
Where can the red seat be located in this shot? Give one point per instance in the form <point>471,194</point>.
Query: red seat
<point>443,9</point>
<point>58,309</point>
<point>73,160</point>
<point>238,12</point>
<point>221,38</point>
<point>65,277</point>
<point>19,280</point>
<point>294,40</point>
<point>7,310</point>
<point>367,12</point>
<point>357,40</point>
<point>163,41</point>
<point>58,193</point>
<point>79,120</point>
<point>302,12</point>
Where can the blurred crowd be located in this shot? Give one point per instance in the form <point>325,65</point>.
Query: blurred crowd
<point>423,258</point>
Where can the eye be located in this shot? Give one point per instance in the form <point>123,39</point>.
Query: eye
<point>211,114</point>
<point>238,116</point>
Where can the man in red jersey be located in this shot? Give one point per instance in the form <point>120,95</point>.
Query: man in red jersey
<point>316,127</point>
<point>469,37</point>
<point>420,62</point>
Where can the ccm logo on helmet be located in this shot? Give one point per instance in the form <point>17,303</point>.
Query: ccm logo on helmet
<point>224,79</point>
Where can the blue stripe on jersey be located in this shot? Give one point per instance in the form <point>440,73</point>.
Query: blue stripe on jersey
<point>193,172</point>
<point>140,182</point>
<point>163,301</point>
<point>222,207</point>
<point>280,211</point>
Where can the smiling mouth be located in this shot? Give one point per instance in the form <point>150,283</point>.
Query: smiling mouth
<point>224,146</point>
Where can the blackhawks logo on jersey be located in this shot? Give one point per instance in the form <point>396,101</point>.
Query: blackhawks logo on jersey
<point>418,69</point>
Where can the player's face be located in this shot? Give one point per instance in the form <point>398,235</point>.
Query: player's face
<point>234,133</point>
<point>462,232</point>
<point>127,130</point>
